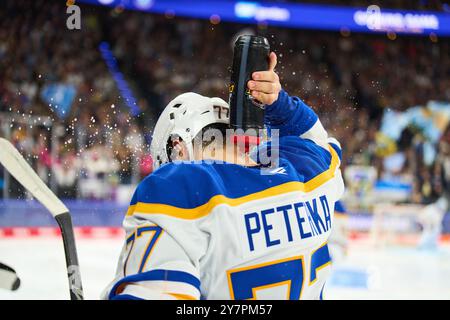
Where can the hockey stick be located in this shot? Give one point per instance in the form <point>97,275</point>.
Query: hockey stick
<point>16,165</point>
<point>8,278</point>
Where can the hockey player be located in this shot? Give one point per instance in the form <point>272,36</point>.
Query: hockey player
<point>222,230</point>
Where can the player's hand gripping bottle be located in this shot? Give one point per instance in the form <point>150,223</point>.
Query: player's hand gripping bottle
<point>251,53</point>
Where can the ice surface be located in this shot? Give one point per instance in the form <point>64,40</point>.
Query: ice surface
<point>40,264</point>
<point>392,272</point>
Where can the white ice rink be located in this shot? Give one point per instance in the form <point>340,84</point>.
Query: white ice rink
<point>366,273</point>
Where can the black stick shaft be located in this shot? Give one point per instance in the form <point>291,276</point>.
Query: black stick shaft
<point>73,270</point>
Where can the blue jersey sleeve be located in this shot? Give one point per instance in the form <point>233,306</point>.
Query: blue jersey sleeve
<point>290,115</point>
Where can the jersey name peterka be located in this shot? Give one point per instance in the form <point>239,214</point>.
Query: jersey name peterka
<point>277,226</point>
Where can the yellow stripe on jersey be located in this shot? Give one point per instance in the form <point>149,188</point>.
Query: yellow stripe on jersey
<point>180,296</point>
<point>131,210</point>
<point>205,209</point>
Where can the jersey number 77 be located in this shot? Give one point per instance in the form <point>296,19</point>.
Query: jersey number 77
<point>244,283</point>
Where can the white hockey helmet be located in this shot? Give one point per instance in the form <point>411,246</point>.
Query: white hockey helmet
<point>185,116</point>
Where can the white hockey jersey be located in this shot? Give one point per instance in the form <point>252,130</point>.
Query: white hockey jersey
<point>224,231</point>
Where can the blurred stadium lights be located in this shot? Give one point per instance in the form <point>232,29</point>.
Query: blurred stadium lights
<point>249,10</point>
<point>297,15</point>
<point>144,4</point>
<point>106,2</point>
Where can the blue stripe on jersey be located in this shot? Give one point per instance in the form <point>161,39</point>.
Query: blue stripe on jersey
<point>158,275</point>
<point>339,207</point>
<point>189,185</point>
<point>134,198</point>
<point>337,149</point>
<point>321,293</point>
<point>319,259</point>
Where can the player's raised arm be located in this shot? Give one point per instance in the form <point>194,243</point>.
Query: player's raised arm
<point>290,115</point>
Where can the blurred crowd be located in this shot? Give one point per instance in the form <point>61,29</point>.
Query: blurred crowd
<point>349,79</point>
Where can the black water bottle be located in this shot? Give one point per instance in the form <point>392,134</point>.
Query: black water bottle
<point>251,53</point>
